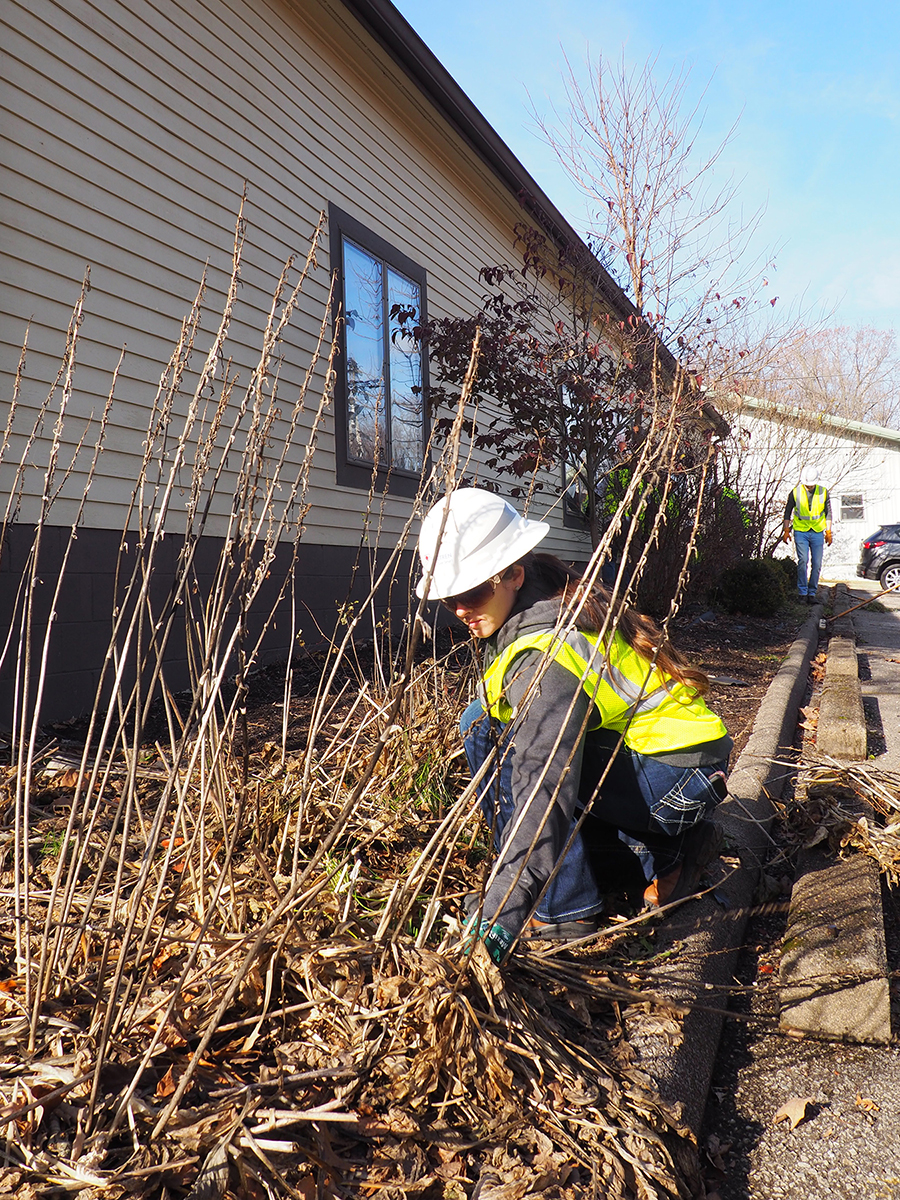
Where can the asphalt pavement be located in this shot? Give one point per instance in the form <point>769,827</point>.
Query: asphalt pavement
<point>878,649</point>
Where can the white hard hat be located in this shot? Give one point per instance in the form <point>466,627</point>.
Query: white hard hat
<point>809,476</point>
<point>483,536</point>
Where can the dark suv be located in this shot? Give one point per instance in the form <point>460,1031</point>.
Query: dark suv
<point>879,556</point>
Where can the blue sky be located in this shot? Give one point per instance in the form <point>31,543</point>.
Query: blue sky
<point>815,86</point>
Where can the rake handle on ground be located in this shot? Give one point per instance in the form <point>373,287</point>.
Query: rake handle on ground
<point>863,603</point>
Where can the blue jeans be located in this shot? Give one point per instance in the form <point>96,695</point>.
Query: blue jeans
<point>809,544</point>
<point>634,831</point>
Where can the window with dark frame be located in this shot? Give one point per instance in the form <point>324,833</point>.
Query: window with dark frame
<point>380,392</point>
<point>852,508</point>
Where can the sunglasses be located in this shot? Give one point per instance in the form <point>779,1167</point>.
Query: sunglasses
<point>474,597</point>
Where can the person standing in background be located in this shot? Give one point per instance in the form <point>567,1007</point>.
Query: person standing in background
<point>808,513</point>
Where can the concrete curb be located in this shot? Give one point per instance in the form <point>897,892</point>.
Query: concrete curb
<point>709,932</point>
<point>834,973</point>
<point>841,732</point>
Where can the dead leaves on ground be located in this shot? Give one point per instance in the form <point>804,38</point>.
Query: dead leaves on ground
<point>809,719</point>
<point>397,1070</point>
<point>797,1110</point>
<point>793,1111</point>
<point>833,812</point>
<point>867,1105</point>
<point>339,1057</point>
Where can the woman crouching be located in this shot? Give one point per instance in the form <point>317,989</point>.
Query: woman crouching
<point>617,726</point>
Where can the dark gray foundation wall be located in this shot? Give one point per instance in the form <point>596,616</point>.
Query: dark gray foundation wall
<point>82,630</point>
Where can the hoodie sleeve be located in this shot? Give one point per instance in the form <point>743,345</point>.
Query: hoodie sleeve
<point>547,734</point>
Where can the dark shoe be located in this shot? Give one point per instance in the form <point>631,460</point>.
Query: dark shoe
<point>811,600</point>
<point>562,931</point>
<point>701,845</point>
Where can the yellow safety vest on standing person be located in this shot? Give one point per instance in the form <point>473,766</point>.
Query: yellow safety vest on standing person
<point>657,714</point>
<point>809,508</point>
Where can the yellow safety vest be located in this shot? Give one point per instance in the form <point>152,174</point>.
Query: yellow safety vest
<point>656,713</point>
<point>809,509</point>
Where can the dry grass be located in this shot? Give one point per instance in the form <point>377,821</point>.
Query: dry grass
<point>235,973</point>
<point>335,1038</point>
<point>850,807</point>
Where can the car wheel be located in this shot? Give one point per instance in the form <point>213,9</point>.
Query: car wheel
<point>890,576</point>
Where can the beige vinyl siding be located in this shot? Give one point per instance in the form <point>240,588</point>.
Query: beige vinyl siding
<point>128,132</point>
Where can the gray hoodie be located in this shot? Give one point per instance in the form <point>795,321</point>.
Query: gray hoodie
<point>549,732</point>
<point>546,767</point>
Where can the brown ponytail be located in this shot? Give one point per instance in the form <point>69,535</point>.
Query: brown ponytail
<point>547,576</point>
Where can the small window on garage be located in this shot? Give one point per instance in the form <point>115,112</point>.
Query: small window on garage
<point>852,508</point>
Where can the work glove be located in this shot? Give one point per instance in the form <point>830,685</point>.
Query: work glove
<point>787,536</point>
<point>496,940</point>
<point>827,537</point>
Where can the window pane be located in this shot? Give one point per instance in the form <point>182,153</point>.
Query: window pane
<point>406,374</point>
<point>851,508</point>
<point>364,323</point>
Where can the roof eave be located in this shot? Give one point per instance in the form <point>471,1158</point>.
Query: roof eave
<point>809,418</point>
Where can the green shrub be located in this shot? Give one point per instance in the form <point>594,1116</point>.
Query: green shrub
<point>788,570</point>
<point>754,587</point>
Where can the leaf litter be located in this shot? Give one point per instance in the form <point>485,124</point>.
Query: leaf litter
<point>249,1035</point>
<point>289,1011</point>
<point>794,1110</point>
<point>848,807</point>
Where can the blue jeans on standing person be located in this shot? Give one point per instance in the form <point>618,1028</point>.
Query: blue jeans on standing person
<point>809,544</point>
<point>636,825</point>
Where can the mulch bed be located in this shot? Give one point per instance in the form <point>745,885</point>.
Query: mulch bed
<point>742,656</point>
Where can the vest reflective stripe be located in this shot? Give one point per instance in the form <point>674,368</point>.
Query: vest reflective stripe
<point>582,648</point>
<point>809,510</point>
<point>627,694</point>
<point>576,653</point>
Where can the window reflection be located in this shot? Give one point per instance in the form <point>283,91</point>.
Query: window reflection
<point>364,322</point>
<point>406,373</point>
<point>388,434</point>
